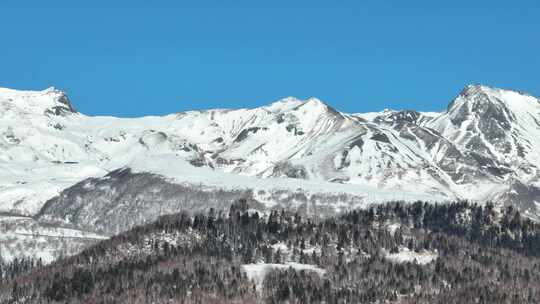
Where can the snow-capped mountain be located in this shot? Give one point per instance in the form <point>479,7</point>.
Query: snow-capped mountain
<point>485,146</point>
<point>47,146</point>
<point>485,142</point>
<point>293,153</point>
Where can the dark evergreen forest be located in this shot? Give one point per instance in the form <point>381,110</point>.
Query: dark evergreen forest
<point>481,255</point>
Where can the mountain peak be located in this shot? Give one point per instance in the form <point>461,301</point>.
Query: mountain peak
<point>291,103</point>
<point>50,101</point>
<point>491,93</point>
<point>52,90</point>
<point>315,101</point>
<point>315,105</point>
<point>284,104</point>
<point>499,93</point>
<point>478,102</point>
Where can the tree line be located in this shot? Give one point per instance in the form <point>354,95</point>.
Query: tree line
<point>483,255</point>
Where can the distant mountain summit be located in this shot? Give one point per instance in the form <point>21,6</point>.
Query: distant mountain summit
<point>50,101</point>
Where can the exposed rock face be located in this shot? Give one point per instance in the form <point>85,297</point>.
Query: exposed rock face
<point>63,107</point>
<point>399,117</point>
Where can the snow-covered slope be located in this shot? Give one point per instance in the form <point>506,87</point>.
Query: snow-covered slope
<point>500,130</point>
<point>483,147</point>
<point>25,237</point>
<point>46,146</point>
<point>502,125</point>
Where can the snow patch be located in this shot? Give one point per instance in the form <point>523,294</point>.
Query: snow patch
<point>405,255</point>
<point>257,272</point>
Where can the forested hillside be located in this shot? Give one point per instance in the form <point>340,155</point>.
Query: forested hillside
<point>393,253</point>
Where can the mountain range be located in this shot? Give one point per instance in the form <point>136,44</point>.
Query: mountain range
<point>97,176</point>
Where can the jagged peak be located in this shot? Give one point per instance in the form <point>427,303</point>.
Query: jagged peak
<point>474,95</point>
<point>50,101</point>
<point>489,106</point>
<point>474,89</point>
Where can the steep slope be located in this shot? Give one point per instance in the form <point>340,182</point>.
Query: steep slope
<point>500,129</point>
<point>502,125</point>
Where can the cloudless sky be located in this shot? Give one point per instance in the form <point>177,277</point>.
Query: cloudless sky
<point>132,58</point>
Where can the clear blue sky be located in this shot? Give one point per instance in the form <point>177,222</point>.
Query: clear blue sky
<point>131,58</point>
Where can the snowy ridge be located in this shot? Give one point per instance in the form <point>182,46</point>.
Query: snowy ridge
<point>484,147</point>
